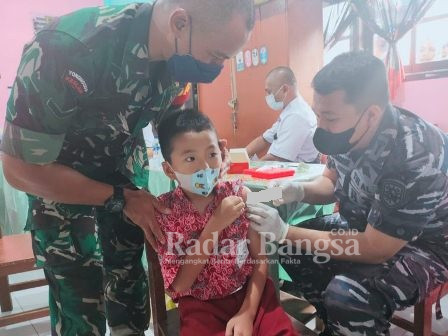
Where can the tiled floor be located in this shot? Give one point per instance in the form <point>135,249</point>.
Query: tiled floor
<point>32,299</point>
<point>37,297</point>
<point>440,327</point>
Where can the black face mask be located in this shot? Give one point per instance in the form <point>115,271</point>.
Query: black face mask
<point>334,143</point>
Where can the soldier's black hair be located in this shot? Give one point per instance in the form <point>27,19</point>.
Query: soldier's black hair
<point>178,123</point>
<point>360,75</point>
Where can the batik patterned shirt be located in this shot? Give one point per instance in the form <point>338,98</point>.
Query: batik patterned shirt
<point>228,268</point>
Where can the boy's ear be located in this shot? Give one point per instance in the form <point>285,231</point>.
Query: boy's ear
<point>168,170</point>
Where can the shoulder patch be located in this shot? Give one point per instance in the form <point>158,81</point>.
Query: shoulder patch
<point>392,193</point>
<point>76,82</point>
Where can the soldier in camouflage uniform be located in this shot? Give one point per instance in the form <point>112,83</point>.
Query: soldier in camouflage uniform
<point>389,174</point>
<point>86,87</point>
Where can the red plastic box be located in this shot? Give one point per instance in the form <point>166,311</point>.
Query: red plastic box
<point>270,174</point>
<point>238,168</point>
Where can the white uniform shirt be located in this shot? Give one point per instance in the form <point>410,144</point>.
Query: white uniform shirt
<point>291,137</point>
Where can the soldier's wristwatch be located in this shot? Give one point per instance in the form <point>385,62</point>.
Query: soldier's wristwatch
<point>116,202</point>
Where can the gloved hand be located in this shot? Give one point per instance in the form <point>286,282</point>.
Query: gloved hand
<point>291,192</point>
<point>265,219</point>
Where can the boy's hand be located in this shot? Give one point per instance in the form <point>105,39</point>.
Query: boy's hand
<point>242,324</point>
<point>228,211</point>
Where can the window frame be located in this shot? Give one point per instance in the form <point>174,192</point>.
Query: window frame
<point>351,33</point>
<point>426,70</point>
<point>344,37</point>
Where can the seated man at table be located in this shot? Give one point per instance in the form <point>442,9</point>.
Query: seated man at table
<point>291,136</point>
<point>208,266</point>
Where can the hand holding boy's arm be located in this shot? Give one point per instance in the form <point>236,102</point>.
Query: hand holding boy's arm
<point>229,210</point>
<point>242,322</point>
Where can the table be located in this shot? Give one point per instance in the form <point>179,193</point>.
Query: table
<point>304,172</point>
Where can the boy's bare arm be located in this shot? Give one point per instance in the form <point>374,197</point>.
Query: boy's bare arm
<point>258,278</point>
<point>242,322</point>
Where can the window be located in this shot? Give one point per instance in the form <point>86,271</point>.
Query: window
<point>343,45</point>
<point>331,17</point>
<point>424,49</point>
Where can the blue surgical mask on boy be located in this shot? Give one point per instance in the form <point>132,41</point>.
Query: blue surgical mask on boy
<point>202,182</point>
<point>187,69</point>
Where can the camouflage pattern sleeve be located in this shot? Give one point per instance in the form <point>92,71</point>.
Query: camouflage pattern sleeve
<point>406,201</point>
<point>330,163</point>
<point>55,70</point>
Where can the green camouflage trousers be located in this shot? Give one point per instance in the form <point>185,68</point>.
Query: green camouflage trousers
<point>92,261</point>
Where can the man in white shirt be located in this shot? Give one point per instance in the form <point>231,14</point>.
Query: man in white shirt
<point>291,136</point>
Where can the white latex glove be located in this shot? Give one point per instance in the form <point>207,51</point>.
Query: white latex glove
<point>291,192</point>
<point>265,219</point>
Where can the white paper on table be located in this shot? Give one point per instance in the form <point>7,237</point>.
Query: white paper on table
<point>263,196</point>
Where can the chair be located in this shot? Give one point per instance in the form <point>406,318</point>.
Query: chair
<point>166,323</point>
<point>16,256</point>
<point>422,324</point>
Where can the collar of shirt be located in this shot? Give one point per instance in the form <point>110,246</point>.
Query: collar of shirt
<point>293,106</point>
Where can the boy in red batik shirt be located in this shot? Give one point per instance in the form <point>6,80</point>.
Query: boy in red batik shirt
<point>209,267</point>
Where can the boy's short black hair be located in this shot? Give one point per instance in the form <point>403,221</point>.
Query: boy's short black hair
<point>181,122</point>
<point>359,74</point>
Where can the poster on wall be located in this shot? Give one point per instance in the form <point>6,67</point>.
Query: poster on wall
<point>248,58</point>
<point>239,61</point>
<point>264,55</point>
<point>255,57</point>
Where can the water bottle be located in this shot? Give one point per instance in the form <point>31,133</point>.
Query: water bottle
<point>157,155</point>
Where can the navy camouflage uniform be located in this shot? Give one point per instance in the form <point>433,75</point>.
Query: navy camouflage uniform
<point>84,90</point>
<point>399,185</point>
